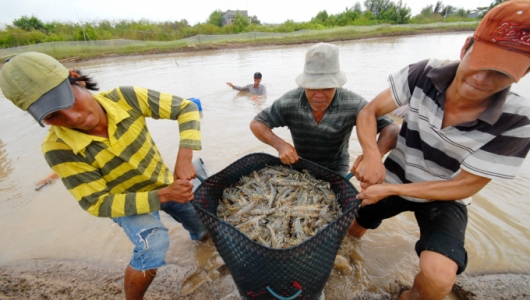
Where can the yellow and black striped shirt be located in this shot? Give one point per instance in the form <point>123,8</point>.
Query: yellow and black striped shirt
<point>120,175</point>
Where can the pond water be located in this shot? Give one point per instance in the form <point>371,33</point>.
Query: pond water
<point>50,224</point>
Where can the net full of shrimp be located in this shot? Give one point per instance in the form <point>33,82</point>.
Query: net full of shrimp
<point>279,207</point>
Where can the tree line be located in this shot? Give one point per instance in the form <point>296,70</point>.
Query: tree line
<point>30,30</point>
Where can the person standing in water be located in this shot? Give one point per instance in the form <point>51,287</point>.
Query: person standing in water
<point>100,147</point>
<point>256,88</point>
<point>462,128</point>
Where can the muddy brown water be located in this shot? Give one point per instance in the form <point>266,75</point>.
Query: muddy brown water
<point>49,223</point>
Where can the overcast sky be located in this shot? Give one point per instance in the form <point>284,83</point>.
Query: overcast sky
<point>194,11</point>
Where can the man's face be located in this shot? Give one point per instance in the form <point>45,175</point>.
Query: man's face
<point>320,99</point>
<point>478,84</point>
<point>83,115</point>
<point>257,81</point>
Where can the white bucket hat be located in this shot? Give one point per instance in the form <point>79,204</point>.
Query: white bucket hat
<point>322,68</point>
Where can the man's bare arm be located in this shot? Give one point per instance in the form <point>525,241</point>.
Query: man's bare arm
<point>464,185</point>
<point>184,168</point>
<point>370,169</point>
<point>286,151</point>
<point>388,138</point>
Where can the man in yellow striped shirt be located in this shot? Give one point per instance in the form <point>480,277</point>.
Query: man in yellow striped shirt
<point>100,147</point>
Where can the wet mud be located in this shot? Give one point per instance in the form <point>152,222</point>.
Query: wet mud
<point>52,279</point>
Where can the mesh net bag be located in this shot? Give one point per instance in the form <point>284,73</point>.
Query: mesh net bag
<point>261,272</point>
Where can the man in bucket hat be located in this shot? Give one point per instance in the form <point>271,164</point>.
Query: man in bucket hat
<point>320,115</point>
<point>101,149</point>
<point>463,128</point>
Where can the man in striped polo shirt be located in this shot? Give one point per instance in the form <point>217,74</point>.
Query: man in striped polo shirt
<point>320,115</point>
<point>100,147</point>
<point>463,128</point>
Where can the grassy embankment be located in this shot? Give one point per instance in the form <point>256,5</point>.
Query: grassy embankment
<point>98,49</point>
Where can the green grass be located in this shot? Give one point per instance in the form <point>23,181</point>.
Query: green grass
<point>97,49</point>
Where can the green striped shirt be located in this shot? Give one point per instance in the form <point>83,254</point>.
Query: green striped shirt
<point>120,175</point>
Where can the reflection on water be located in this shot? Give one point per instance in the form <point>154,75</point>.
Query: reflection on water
<point>208,264</point>
<point>258,102</point>
<point>498,238</point>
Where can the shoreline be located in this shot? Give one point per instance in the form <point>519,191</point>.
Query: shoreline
<point>58,279</point>
<point>82,52</point>
<point>318,39</point>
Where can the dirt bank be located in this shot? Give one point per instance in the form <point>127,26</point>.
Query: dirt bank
<point>493,286</point>
<point>264,43</point>
<point>50,279</point>
<point>67,54</point>
<point>317,39</point>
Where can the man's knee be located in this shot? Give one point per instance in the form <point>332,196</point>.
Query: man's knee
<point>438,270</point>
<point>155,243</point>
<point>155,239</point>
<point>356,230</point>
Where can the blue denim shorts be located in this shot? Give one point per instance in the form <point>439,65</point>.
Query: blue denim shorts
<point>185,214</point>
<point>150,236</point>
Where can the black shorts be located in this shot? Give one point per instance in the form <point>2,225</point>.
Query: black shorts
<point>442,224</point>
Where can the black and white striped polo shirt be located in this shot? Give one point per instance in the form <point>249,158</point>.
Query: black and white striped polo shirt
<point>494,146</point>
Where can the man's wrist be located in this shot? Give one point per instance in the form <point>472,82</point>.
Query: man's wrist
<point>185,153</point>
<point>163,195</point>
<point>373,154</point>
